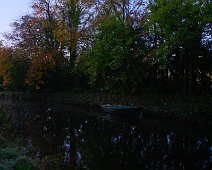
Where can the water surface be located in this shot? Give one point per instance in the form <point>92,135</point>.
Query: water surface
<point>90,139</point>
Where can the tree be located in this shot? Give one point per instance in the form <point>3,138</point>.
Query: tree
<point>177,49</point>
<point>43,10</point>
<point>43,69</point>
<point>115,60</point>
<point>13,68</point>
<point>34,34</point>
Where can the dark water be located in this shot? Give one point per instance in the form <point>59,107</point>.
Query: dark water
<point>96,141</point>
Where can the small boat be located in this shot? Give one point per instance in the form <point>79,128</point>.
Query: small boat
<point>121,109</point>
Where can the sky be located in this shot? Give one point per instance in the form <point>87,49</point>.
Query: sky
<point>11,10</point>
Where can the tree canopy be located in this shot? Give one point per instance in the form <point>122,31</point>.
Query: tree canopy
<point>128,46</point>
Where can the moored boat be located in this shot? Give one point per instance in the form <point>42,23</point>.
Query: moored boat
<point>121,109</point>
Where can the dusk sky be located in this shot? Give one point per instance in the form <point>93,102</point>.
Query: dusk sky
<point>11,10</point>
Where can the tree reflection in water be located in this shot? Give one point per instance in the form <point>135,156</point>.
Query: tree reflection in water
<point>92,141</point>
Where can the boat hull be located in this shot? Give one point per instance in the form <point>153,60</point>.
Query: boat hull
<point>122,110</point>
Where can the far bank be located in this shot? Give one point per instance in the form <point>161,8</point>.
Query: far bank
<point>160,106</point>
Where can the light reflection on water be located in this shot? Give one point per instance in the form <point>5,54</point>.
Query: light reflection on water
<point>86,139</point>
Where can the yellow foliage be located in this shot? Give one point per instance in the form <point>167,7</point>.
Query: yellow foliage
<point>42,65</point>
<point>5,66</point>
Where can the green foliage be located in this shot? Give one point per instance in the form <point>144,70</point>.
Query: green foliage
<point>108,51</point>
<point>115,56</point>
<point>3,143</point>
<point>23,163</point>
<point>177,28</point>
<point>9,153</point>
<point>11,159</point>
<point>180,22</point>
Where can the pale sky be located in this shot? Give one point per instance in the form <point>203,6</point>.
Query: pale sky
<point>11,10</point>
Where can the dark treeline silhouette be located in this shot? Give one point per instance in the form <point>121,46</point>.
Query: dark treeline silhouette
<point>129,46</point>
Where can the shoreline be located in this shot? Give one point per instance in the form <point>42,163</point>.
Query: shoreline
<point>171,107</point>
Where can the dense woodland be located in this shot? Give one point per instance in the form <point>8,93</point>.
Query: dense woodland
<point>130,46</point>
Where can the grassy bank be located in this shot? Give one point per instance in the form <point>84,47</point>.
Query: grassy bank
<point>11,155</point>
<point>183,108</point>
<point>14,153</point>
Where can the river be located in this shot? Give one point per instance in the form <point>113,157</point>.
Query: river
<point>90,139</point>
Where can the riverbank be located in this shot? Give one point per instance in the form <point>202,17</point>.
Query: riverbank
<point>183,108</point>
<point>14,150</point>
<point>12,155</point>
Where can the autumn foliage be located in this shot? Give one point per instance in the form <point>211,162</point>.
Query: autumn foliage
<point>127,46</point>
<point>5,66</point>
<point>42,65</point>
<point>13,68</point>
